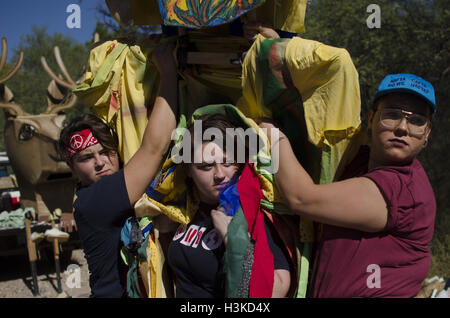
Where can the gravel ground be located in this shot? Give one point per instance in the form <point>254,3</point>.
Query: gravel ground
<point>16,280</point>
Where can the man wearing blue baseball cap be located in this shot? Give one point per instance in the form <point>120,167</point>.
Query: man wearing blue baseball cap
<point>379,219</point>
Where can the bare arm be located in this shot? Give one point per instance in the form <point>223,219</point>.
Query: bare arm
<point>356,203</point>
<point>281,283</point>
<point>142,167</point>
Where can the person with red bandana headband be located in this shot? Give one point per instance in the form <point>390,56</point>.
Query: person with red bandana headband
<point>106,193</point>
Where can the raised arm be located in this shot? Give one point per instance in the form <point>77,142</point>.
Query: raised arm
<point>356,203</point>
<point>142,167</point>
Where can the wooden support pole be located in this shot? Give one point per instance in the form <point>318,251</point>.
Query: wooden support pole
<point>32,256</point>
<point>57,263</point>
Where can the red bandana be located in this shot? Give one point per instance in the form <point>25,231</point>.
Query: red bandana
<point>80,141</point>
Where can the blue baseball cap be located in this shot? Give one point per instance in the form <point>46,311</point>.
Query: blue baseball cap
<point>407,83</point>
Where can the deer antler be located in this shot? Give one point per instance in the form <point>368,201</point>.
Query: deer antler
<point>56,94</point>
<point>13,108</point>
<point>3,61</point>
<point>69,84</point>
<point>96,37</point>
<point>5,94</point>
<point>56,108</point>
<point>63,67</point>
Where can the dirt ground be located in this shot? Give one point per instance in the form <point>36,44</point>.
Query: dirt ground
<point>16,279</point>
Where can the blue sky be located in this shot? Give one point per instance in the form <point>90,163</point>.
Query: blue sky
<point>17,17</point>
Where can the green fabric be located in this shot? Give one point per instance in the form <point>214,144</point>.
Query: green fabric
<point>14,218</point>
<point>144,221</point>
<point>224,109</point>
<point>103,75</point>
<point>304,270</point>
<point>327,161</point>
<point>276,95</point>
<point>238,240</point>
<point>133,289</point>
<point>284,101</point>
<point>277,207</point>
<point>124,255</point>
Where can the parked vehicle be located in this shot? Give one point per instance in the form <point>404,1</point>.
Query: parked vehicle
<point>9,189</point>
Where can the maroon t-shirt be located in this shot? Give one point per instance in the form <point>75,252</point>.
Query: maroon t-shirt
<point>391,263</point>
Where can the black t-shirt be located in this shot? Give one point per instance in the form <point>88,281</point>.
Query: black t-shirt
<point>100,213</point>
<point>195,255</point>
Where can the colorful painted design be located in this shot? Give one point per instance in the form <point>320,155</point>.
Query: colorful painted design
<point>202,13</point>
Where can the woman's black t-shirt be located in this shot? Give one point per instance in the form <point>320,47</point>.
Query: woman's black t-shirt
<point>195,255</point>
<point>101,210</point>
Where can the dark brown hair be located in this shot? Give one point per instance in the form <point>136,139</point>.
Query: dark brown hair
<point>222,123</point>
<point>102,132</point>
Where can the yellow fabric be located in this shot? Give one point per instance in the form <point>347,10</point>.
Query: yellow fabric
<point>328,83</point>
<point>179,214</point>
<point>147,206</point>
<point>171,186</point>
<point>155,261</point>
<point>286,15</point>
<point>117,87</point>
<point>327,80</point>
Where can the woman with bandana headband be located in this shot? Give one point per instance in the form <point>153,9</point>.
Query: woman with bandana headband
<point>106,193</point>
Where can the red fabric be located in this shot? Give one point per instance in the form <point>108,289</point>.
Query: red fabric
<point>114,100</point>
<point>80,141</point>
<point>250,195</point>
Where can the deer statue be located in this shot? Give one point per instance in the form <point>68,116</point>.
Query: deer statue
<point>45,180</point>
